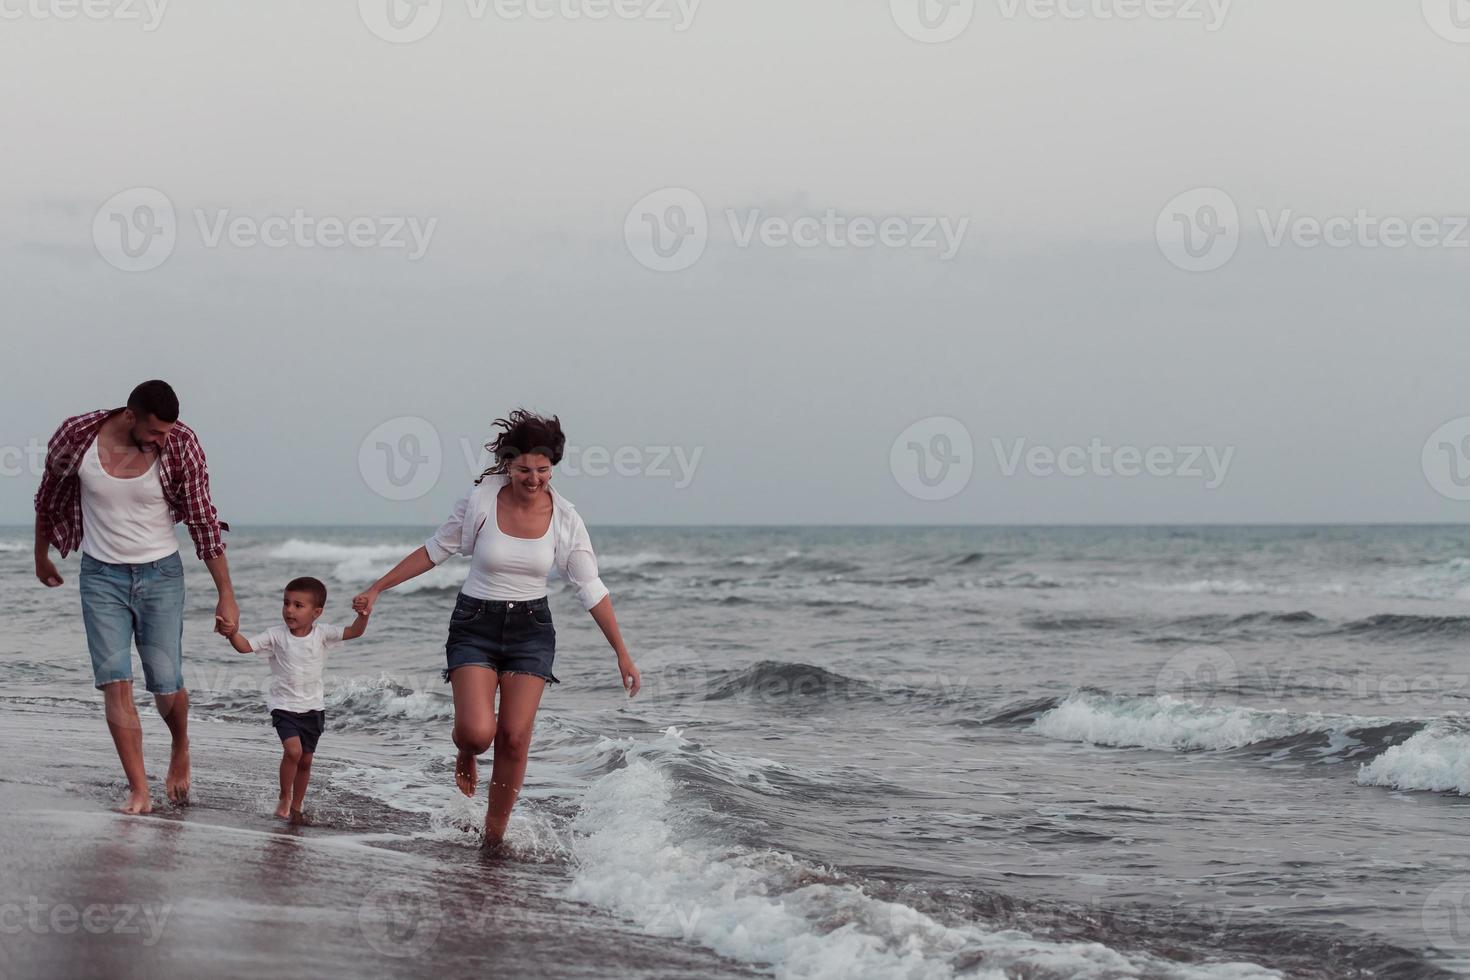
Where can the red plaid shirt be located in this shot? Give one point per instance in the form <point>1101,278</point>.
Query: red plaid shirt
<point>182,471</point>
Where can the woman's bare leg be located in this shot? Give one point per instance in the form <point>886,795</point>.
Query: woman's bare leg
<point>520,696</point>
<point>474,721</point>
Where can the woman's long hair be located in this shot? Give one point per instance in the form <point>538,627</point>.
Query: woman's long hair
<point>524,432</point>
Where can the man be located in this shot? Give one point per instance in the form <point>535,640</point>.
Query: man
<point>115,484</point>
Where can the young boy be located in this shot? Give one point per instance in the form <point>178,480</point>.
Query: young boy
<point>298,652</point>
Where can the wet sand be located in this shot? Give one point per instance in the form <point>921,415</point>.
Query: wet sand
<point>219,888</point>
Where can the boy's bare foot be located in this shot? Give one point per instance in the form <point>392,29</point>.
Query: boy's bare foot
<point>177,781</point>
<point>139,801</point>
<point>466,773</point>
<point>283,808</point>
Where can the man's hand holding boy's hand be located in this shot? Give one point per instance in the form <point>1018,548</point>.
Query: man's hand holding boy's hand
<point>225,629</point>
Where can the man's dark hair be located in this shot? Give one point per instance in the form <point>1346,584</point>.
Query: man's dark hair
<point>314,586</point>
<point>155,398</point>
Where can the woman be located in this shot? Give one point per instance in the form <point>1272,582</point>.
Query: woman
<point>515,528</point>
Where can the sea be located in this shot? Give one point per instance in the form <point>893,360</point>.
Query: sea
<point>859,752</point>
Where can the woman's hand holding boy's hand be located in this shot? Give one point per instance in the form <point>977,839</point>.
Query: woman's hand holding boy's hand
<point>363,603</point>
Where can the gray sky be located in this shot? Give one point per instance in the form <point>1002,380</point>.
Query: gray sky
<point>784,374</point>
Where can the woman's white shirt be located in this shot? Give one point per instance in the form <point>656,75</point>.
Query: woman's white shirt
<point>473,521</point>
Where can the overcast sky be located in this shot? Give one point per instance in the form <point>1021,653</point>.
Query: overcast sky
<point>501,168</point>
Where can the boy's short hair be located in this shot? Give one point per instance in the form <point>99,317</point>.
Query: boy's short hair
<point>311,585</point>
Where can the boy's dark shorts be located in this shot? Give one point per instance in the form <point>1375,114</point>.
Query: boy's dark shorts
<point>305,725</point>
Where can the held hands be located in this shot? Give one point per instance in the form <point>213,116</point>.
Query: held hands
<point>363,604</point>
<point>226,617</point>
<point>46,572</point>
<point>632,680</point>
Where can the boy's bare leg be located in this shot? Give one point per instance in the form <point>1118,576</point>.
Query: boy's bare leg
<point>298,788</point>
<point>290,757</point>
<point>175,711</point>
<point>127,735</point>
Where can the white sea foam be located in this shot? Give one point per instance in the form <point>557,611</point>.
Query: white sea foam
<point>1436,759</point>
<point>766,907</point>
<point>1169,723</point>
<point>385,698</point>
<point>12,547</point>
<point>360,565</point>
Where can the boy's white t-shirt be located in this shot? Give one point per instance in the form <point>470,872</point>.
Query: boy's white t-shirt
<point>296,665</point>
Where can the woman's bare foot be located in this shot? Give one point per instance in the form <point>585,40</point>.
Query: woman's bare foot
<point>177,781</point>
<point>283,808</point>
<point>466,773</point>
<point>139,801</point>
<point>298,818</point>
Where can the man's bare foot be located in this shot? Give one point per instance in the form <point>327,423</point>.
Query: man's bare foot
<point>177,781</point>
<point>139,801</point>
<point>466,773</point>
<point>283,808</point>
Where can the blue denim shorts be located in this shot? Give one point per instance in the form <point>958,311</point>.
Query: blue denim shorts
<point>143,603</point>
<point>508,637</point>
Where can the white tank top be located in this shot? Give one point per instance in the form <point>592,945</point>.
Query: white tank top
<point>506,567</point>
<point>125,521</point>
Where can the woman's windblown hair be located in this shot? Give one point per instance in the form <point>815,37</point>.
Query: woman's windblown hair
<point>524,432</point>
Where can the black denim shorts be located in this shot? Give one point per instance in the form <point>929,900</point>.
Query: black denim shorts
<point>305,725</point>
<point>508,637</point>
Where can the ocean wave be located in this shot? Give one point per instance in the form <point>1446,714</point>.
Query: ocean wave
<point>641,559</point>
<point>12,547</point>
<point>772,680</point>
<point>361,565</point>
<point>1173,724</point>
<point>1436,759</point>
<point>1018,580</point>
<point>635,856</point>
<point>353,703</point>
<point>1397,626</point>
